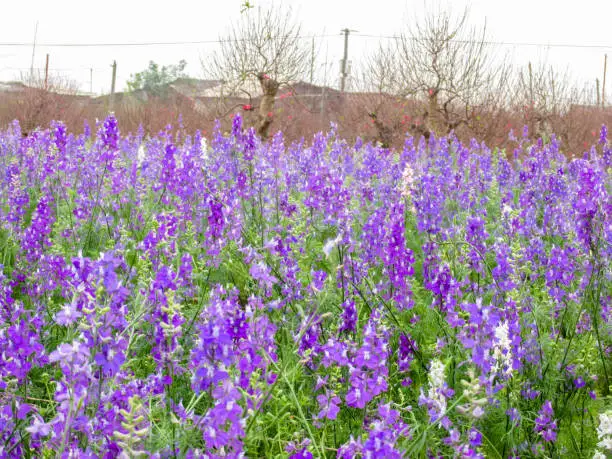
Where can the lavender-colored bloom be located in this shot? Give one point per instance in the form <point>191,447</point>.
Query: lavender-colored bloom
<point>359,394</point>
<point>60,138</point>
<point>301,454</point>
<point>39,428</point>
<point>328,403</point>
<point>475,437</point>
<point>603,135</point>
<point>123,289</point>
<point>545,425</point>
<point>318,280</point>
<point>261,273</point>
<point>406,351</point>
<point>299,450</point>
<point>334,352</point>
<point>383,434</point>
<point>348,317</point>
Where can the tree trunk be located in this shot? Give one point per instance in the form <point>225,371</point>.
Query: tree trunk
<point>433,111</point>
<point>385,133</point>
<point>266,108</point>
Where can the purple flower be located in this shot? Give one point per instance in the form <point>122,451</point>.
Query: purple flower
<point>214,437</point>
<point>299,450</point>
<point>475,437</point>
<point>513,414</point>
<point>359,394</point>
<point>216,218</point>
<point>334,352</point>
<point>382,436</point>
<point>301,454</point>
<point>328,403</point>
<point>348,317</point>
<point>603,135</point>
<point>261,273</point>
<point>406,350</point>
<point>545,425</point>
<point>318,280</point>
<point>398,260</point>
<point>39,428</point>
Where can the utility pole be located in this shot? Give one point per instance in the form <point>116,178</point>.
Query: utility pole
<point>312,61</point>
<point>33,52</point>
<point>344,62</point>
<point>90,81</point>
<point>603,90</point>
<point>112,95</point>
<point>47,73</point>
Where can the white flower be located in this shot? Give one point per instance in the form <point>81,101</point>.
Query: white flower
<point>204,147</point>
<point>473,395</point>
<point>605,425</point>
<point>606,443</point>
<point>502,352</point>
<point>604,431</point>
<point>407,181</point>
<point>437,376</point>
<point>330,245</point>
<point>141,154</point>
<point>599,455</point>
<point>437,380</point>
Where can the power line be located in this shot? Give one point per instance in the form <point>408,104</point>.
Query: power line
<point>303,37</point>
<point>55,69</point>
<point>102,45</point>
<point>499,43</point>
<point>149,43</point>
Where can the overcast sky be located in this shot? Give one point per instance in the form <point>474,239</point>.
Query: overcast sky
<point>587,22</point>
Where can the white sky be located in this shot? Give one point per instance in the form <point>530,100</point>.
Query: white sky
<point>588,22</point>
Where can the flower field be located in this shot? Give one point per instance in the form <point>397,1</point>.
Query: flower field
<point>161,297</point>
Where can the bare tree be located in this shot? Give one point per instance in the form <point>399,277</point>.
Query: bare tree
<point>446,65</point>
<point>542,95</point>
<point>41,100</point>
<point>378,105</point>
<point>382,71</point>
<point>265,49</point>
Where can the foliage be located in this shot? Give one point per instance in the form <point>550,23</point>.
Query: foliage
<point>247,5</point>
<point>154,78</point>
<point>163,297</point>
